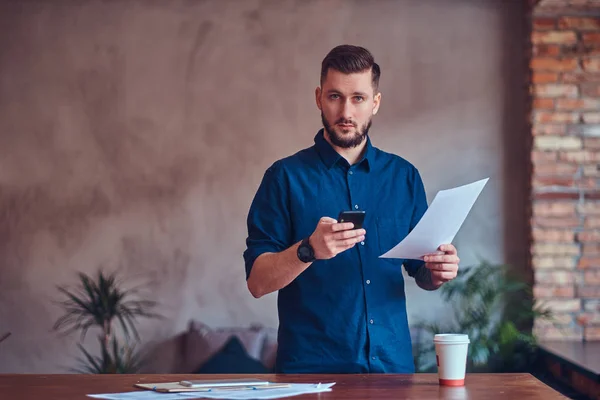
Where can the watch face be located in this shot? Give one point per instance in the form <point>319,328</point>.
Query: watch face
<point>305,253</point>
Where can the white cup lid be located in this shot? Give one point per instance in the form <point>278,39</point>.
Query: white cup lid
<point>451,338</point>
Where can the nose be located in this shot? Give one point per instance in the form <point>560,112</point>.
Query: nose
<point>347,110</point>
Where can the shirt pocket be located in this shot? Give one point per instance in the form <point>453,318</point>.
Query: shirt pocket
<point>390,231</point>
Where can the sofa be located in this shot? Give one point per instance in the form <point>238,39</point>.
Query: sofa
<point>202,349</point>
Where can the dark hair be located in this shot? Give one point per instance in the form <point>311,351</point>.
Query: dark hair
<point>350,59</point>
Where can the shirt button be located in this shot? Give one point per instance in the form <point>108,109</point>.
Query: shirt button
<point>350,172</point>
<point>363,243</point>
<point>356,206</point>
<point>371,321</point>
<point>374,358</point>
<point>368,281</point>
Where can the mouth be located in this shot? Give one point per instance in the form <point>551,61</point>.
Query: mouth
<point>346,126</point>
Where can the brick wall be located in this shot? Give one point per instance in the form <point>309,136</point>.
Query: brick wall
<point>565,118</point>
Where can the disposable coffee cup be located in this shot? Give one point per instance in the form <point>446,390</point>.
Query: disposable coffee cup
<point>451,354</point>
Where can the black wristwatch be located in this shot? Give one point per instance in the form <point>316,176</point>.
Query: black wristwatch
<point>305,252</point>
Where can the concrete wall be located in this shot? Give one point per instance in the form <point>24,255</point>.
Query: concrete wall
<point>133,135</point>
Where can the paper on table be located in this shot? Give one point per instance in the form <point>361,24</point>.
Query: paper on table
<point>440,223</point>
<point>294,390</point>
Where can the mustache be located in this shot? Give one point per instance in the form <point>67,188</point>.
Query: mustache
<point>345,122</point>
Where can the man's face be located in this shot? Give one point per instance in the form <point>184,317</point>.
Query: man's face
<point>347,103</point>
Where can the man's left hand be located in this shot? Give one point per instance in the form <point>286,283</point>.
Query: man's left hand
<point>443,264</point>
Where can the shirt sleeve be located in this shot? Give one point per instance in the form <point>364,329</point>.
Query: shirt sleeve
<point>420,206</point>
<point>268,219</point>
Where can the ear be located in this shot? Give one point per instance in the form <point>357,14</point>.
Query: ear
<point>318,97</point>
<point>376,103</point>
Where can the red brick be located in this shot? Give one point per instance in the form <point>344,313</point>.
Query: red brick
<point>548,209</point>
<point>579,23</point>
<point>553,37</point>
<point>590,50</point>
<point>563,305</point>
<point>553,262</point>
<point>553,291</point>
<point>566,333</point>
<point>591,195</point>
<point>553,181</point>
<point>589,208</point>
<point>588,319</point>
<point>563,182</point>
<point>580,77</point>
<point>553,235</point>
<point>589,89</point>
<point>591,118</point>
<point>592,333</point>
<point>543,156</point>
<point>544,24</point>
<point>544,77</point>
<point>592,277</point>
<point>554,129</point>
<point>558,169</point>
<point>591,65</point>
<point>578,104</point>
<point>592,223</point>
<point>591,38</point>
<point>541,222</point>
<point>542,103</point>
<point>591,170</point>
<point>588,236</point>
<point>555,64</point>
<point>588,292</point>
<point>544,117</point>
<point>581,156</point>
<point>546,50</point>
<point>555,90</point>
<point>555,196</point>
<point>591,143</point>
<point>590,249</point>
<point>558,333</point>
<point>554,278</point>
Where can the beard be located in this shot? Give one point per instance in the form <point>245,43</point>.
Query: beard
<point>340,136</point>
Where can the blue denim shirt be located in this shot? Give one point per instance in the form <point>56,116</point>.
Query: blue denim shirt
<point>346,314</point>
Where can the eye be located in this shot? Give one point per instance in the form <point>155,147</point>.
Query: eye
<point>359,99</point>
<point>334,96</point>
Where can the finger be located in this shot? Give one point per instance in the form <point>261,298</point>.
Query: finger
<point>441,267</point>
<point>350,242</point>
<point>450,259</point>
<point>435,253</point>
<point>349,234</point>
<point>443,275</point>
<point>343,226</point>
<point>327,220</point>
<point>448,248</point>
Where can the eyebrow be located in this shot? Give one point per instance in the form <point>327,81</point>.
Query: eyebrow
<point>333,91</point>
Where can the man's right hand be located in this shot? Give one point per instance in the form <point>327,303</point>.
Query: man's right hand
<point>330,238</point>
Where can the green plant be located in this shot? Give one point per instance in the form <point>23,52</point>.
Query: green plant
<point>99,303</point>
<point>495,306</point>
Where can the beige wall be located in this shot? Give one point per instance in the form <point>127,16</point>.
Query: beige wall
<point>133,135</point>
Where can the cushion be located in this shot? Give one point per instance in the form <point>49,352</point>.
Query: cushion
<point>202,342</point>
<point>232,359</point>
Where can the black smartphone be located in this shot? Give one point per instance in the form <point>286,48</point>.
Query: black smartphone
<point>356,217</point>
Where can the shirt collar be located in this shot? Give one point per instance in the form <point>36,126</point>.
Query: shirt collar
<point>330,157</point>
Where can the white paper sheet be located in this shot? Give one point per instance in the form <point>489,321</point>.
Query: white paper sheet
<point>440,223</point>
<point>294,390</point>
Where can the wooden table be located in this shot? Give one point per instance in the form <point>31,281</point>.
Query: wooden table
<point>418,386</point>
